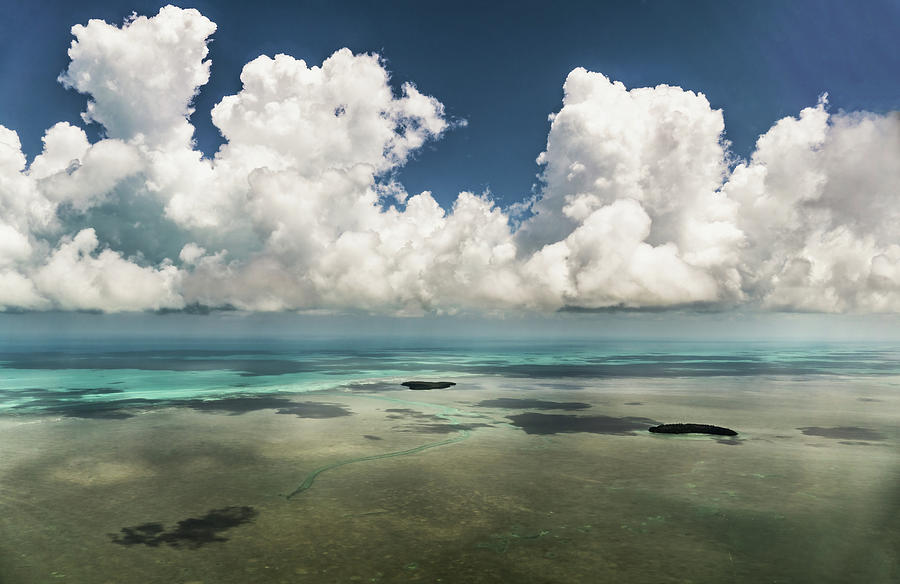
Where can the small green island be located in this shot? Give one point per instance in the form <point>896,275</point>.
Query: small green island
<point>692,429</point>
<point>426,385</point>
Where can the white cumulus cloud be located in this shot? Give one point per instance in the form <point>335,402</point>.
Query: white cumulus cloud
<point>819,203</point>
<point>630,206</point>
<point>141,76</point>
<point>640,206</point>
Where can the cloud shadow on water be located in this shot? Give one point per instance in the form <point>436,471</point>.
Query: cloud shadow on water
<point>535,423</point>
<point>193,533</point>
<point>236,406</point>
<point>531,404</point>
<point>428,423</point>
<point>49,404</point>
<point>70,405</point>
<point>843,433</point>
<point>156,361</point>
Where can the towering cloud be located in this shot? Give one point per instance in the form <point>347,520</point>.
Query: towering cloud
<point>639,207</point>
<point>630,213</point>
<point>142,76</point>
<point>819,202</point>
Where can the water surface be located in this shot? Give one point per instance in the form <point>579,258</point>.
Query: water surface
<point>308,462</point>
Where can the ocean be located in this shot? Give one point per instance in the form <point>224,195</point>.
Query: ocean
<point>307,461</point>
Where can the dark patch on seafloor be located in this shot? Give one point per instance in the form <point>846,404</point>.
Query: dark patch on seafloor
<point>843,433</point>
<point>401,413</point>
<point>68,404</point>
<point>79,391</point>
<point>192,533</point>
<point>90,412</point>
<point>692,429</point>
<point>443,428</point>
<point>74,408</point>
<point>681,365</point>
<point>426,385</point>
<point>731,441</point>
<point>634,403</point>
<point>428,423</point>
<point>868,399</point>
<point>157,361</point>
<point>531,404</point>
<point>534,423</point>
<point>236,406</point>
<point>42,393</point>
<point>370,437</point>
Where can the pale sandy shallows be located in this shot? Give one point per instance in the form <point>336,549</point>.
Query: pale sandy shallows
<point>808,492</point>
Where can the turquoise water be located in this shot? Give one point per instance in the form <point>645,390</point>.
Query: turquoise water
<point>37,379</point>
<point>298,462</point>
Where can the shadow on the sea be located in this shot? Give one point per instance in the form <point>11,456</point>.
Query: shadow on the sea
<point>70,405</point>
<point>534,423</point>
<point>371,437</point>
<point>89,412</point>
<point>68,402</point>
<point>843,433</point>
<point>407,413</point>
<point>157,361</point>
<point>82,391</point>
<point>246,363</point>
<point>236,406</point>
<point>75,408</point>
<point>192,533</point>
<point>664,366</point>
<point>428,423</point>
<point>41,393</point>
<point>531,404</point>
<point>442,428</point>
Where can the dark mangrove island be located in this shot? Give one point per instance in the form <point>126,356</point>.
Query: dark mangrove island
<point>692,429</point>
<point>424,385</point>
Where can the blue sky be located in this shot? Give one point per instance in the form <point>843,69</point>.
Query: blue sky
<point>508,158</point>
<point>501,65</point>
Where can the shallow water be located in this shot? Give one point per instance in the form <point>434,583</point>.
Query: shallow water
<point>187,464</point>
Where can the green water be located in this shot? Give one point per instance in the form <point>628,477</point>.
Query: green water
<point>444,413</point>
<point>312,464</point>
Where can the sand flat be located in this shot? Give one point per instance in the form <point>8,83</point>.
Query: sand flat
<point>500,506</point>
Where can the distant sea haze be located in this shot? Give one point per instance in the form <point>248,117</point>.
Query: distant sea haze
<point>105,376</point>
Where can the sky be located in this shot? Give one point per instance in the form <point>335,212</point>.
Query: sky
<point>501,65</point>
<point>450,158</point>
